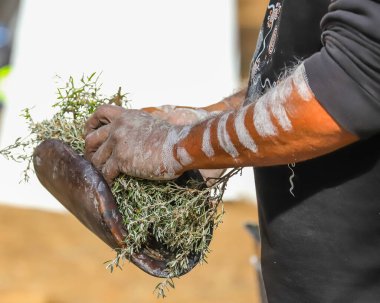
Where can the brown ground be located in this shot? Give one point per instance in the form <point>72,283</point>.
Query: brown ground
<point>51,258</point>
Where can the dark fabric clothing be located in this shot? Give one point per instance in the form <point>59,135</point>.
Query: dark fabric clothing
<point>320,219</point>
<point>323,245</point>
<point>345,75</point>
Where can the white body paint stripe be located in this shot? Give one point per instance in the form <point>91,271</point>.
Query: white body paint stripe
<point>272,105</point>
<point>183,156</point>
<point>244,137</point>
<point>206,140</point>
<point>301,83</point>
<point>174,136</point>
<point>277,100</point>
<point>262,119</point>
<point>224,138</point>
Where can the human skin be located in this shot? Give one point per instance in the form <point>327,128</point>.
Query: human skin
<point>175,115</point>
<point>285,125</point>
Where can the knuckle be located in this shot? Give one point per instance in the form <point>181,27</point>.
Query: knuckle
<point>88,141</point>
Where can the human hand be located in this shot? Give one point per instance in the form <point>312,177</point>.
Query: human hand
<point>132,142</point>
<point>183,116</point>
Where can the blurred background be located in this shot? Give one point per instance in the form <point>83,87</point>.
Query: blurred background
<point>160,52</point>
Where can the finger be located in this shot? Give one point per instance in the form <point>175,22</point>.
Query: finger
<point>103,153</point>
<point>105,114</point>
<point>110,170</point>
<point>95,139</point>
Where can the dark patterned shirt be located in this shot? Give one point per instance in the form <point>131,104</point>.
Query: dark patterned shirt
<point>320,219</point>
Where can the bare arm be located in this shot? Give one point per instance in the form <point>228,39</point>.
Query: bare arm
<point>182,115</point>
<point>285,125</point>
<point>232,102</point>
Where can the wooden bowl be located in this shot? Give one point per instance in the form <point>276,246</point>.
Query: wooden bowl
<point>82,190</point>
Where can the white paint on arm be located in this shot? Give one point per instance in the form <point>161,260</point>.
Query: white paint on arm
<point>277,99</point>
<point>269,116</point>
<point>207,148</point>
<point>241,130</point>
<point>224,138</point>
<point>262,119</point>
<point>183,156</point>
<point>301,83</point>
<point>175,134</point>
<point>272,105</point>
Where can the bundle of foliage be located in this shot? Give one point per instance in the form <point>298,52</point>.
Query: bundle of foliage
<point>180,218</point>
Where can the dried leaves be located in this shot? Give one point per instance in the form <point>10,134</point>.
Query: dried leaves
<point>182,219</point>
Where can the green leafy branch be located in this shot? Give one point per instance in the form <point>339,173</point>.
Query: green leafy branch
<point>182,219</point>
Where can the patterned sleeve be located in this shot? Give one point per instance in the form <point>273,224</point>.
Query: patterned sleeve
<point>345,74</point>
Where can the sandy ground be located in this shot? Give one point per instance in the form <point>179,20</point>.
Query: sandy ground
<point>51,258</point>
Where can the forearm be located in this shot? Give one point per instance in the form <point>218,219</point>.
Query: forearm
<point>232,102</point>
<point>229,103</point>
<point>185,115</point>
<point>286,125</point>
